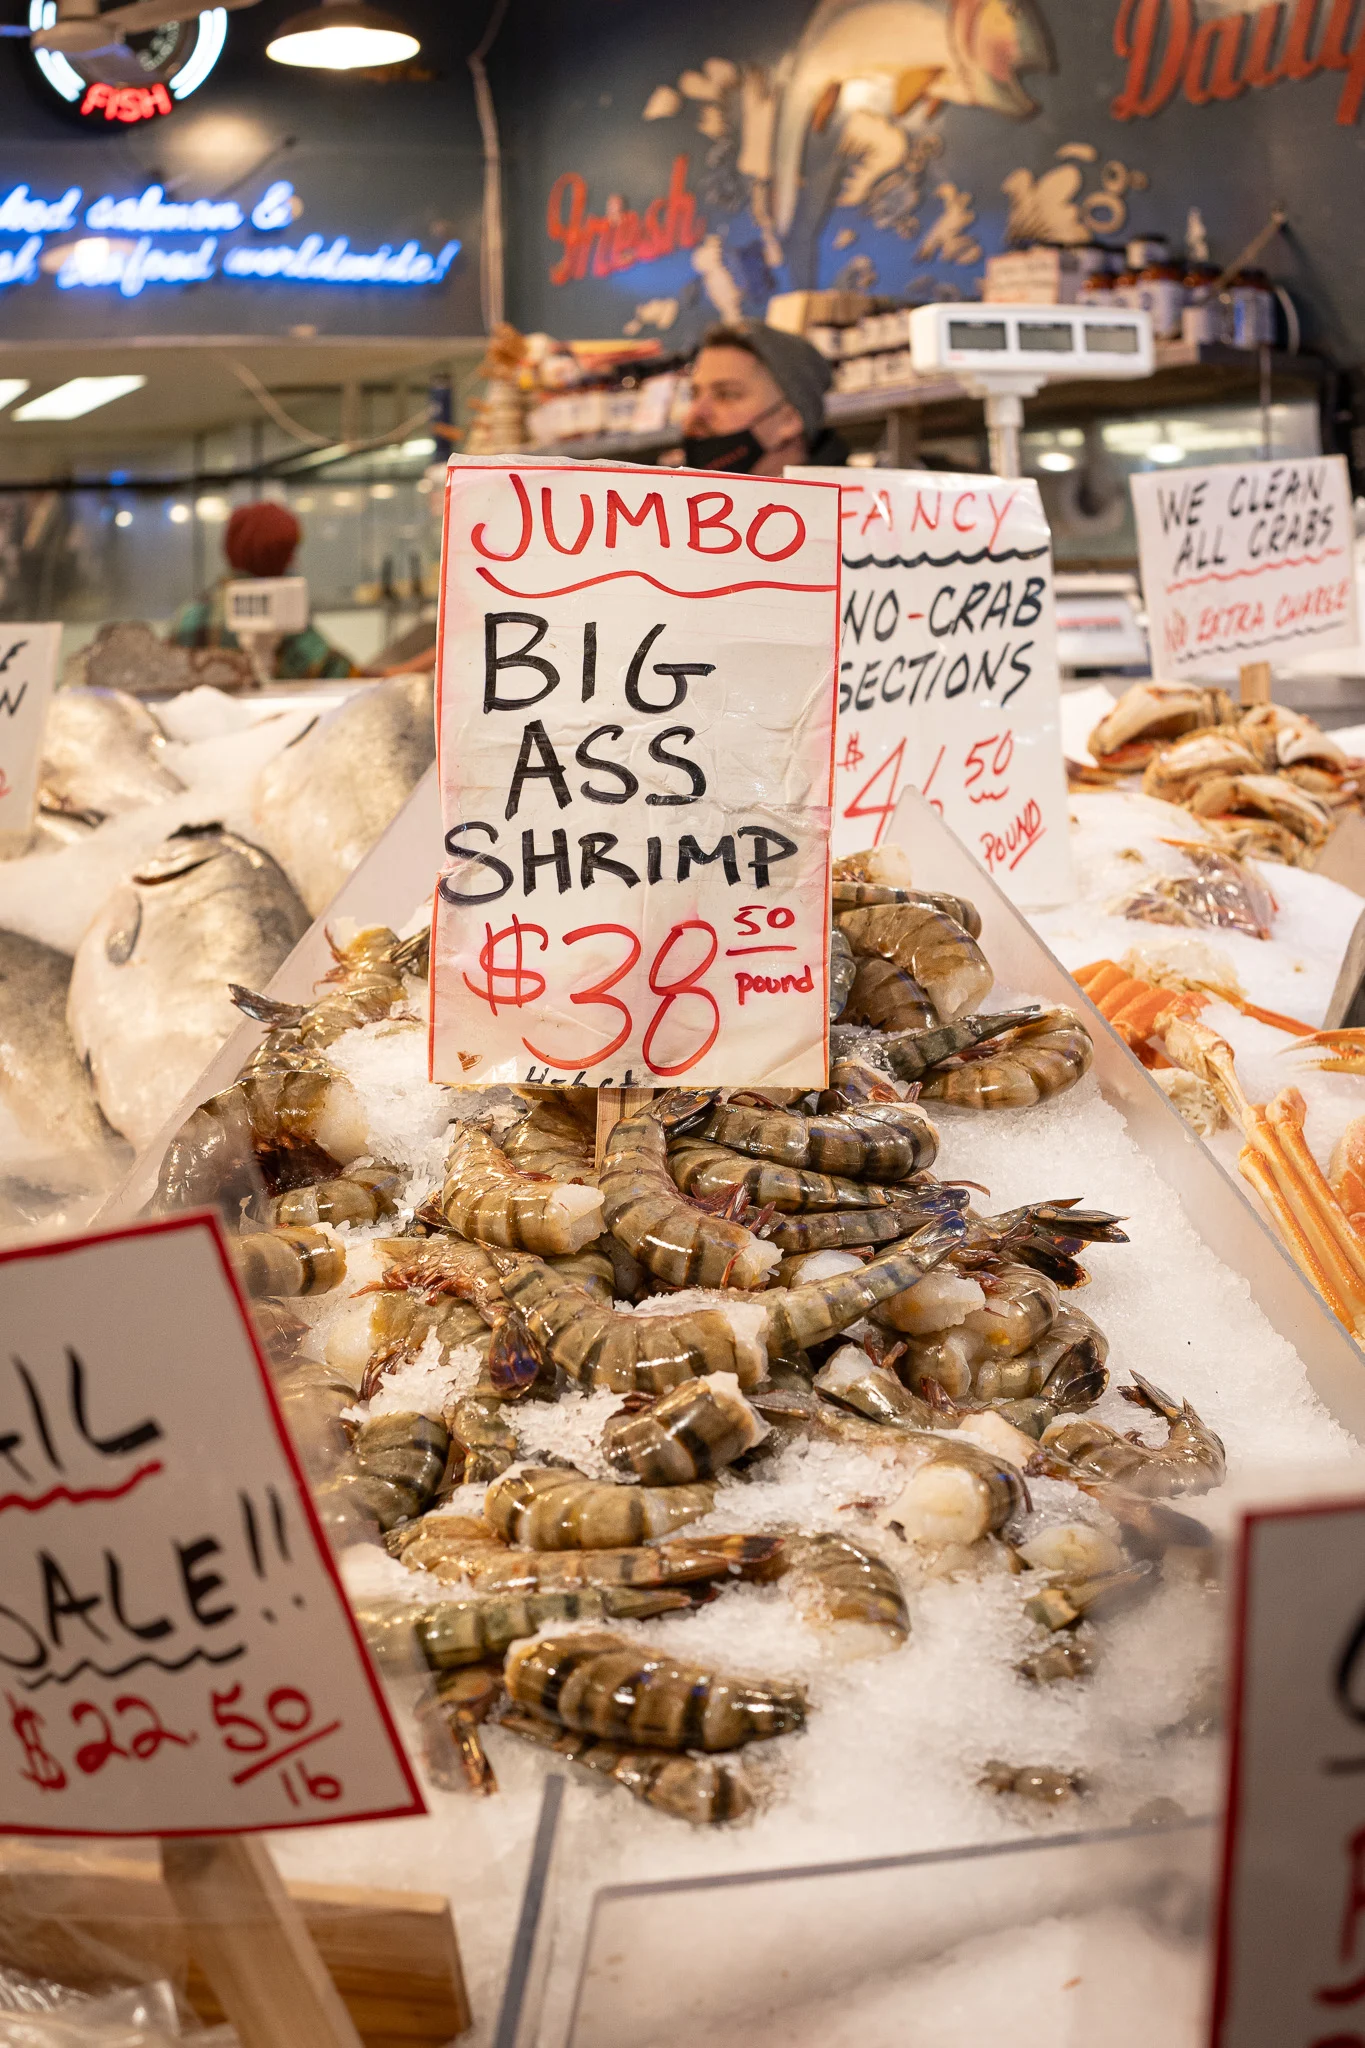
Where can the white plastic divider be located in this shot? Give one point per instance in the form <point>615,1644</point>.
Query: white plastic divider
<point>1215,1204</point>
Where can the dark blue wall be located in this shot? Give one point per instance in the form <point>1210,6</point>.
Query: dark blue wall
<point>384,162</point>
<point>577,108</point>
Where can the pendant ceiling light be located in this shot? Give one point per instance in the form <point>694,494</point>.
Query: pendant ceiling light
<point>343,35</point>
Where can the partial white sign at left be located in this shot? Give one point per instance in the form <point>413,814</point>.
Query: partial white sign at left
<point>28,670</point>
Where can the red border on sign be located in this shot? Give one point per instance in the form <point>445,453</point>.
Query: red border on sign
<point>200,1219</point>
<point>1222,1959</point>
<point>808,483</point>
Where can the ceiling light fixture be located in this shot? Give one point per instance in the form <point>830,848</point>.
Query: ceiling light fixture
<point>1165,452</point>
<point>10,389</point>
<point>343,35</point>
<point>81,395</point>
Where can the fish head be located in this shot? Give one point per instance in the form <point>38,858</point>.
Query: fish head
<point>993,41</point>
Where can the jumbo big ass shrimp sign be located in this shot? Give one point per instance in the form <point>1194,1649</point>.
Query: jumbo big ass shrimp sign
<point>948,670</point>
<point>635,710</point>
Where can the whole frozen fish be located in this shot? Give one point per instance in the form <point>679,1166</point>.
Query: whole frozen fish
<point>149,1002</point>
<point>43,1085</point>
<point>103,752</point>
<point>321,804</point>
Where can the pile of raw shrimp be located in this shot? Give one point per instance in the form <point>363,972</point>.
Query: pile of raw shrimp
<point>610,1428</point>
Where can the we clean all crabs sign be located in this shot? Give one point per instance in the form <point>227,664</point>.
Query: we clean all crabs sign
<point>948,670</point>
<point>636,732</point>
<point>1246,562</point>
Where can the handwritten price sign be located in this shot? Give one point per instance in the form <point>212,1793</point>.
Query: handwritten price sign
<point>28,670</point>
<point>1290,1960</point>
<point>1246,562</point>
<point>636,719</point>
<point>176,1653</point>
<point>948,670</point>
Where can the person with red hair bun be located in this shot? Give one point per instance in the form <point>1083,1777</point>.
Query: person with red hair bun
<point>261,540</point>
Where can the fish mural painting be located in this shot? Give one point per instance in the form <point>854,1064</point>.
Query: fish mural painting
<point>909,57</point>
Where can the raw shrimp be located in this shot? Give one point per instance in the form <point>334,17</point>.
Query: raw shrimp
<point>369,975</point>
<point>597,1346</point>
<point>678,1243</point>
<point>691,1788</point>
<point>959,1494</point>
<point>289,1262</point>
<point>455,1632</point>
<point>459,1702</point>
<point>870,895</point>
<point>1191,1460</point>
<point>362,1196</point>
<point>544,1508</point>
<point>842,968</point>
<point>703,1169</point>
<point>828,1231</point>
<point>886,997</point>
<point>853,1079</point>
<point>940,955</point>
<point>289,1118</point>
<point>877,1141</point>
<point>554,1140</point>
<point>839,1581</point>
<point>451,1549</point>
<point>692,1433</point>
<point>1033,1062</point>
<point>393,1470</point>
<point>1038,1782</point>
<point>806,1315</point>
<point>851,1378</point>
<point>281,1125</point>
<point>911,1054</point>
<point>604,1685</point>
<point>487,1199</point>
<point>481,1438</point>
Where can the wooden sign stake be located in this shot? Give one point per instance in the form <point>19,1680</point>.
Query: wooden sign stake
<point>249,1939</point>
<point>1254,677</point>
<point>612,1105</point>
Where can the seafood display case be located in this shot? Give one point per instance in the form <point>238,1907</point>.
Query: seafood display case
<point>944,1781</point>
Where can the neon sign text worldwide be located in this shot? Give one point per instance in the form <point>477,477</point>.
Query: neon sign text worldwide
<point>126,249</point>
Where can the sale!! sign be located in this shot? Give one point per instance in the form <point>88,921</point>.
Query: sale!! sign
<point>636,727</point>
<point>1246,562</point>
<point>176,1652</point>
<point>28,670</point>
<point>948,670</point>
<point>1290,1960</point>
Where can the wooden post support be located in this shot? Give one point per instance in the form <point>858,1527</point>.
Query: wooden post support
<point>1254,678</point>
<point>249,1938</point>
<point>612,1105</point>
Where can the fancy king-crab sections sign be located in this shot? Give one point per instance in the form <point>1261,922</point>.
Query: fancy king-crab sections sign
<point>948,670</point>
<point>636,724</point>
<point>1246,562</point>
<point>176,1652</point>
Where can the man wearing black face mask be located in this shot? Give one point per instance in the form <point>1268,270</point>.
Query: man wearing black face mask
<point>758,403</point>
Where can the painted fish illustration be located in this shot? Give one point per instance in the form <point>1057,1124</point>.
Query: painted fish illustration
<point>968,52</point>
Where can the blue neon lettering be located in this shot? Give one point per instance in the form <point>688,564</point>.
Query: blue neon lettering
<point>20,266</point>
<point>96,264</point>
<point>122,253</point>
<point>151,213</point>
<point>20,214</point>
<point>275,207</point>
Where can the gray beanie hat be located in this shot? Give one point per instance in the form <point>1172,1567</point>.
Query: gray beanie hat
<point>799,371</point>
